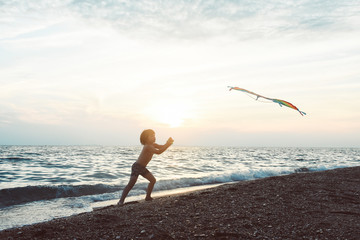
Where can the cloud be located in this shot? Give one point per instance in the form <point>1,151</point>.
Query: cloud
<point>191,19</point>
<point>197,19</point>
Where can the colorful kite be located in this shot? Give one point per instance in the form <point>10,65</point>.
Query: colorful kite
<point>280,102</point>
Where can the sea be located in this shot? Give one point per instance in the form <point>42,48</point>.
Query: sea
<point>40,183</point>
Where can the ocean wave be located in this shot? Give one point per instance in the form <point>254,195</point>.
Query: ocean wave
<point>15,159</point>
<point>21,195</point>
<point>101,192</point>
<point>235,176</point>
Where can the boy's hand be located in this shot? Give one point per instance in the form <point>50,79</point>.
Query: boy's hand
<point>170,140</point>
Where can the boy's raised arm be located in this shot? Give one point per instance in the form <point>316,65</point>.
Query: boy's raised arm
<point>161,148</point>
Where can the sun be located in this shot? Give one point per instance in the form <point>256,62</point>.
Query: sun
<point>172,114</point>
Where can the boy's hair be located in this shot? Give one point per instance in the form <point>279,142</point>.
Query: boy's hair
<point>145,134</point>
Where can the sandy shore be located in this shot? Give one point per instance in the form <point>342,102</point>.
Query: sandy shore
<point>319,205</point>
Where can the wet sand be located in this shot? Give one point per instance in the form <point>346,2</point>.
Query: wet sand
<point>318,205</point>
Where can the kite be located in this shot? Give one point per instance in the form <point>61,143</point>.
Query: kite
<point>280,102</point>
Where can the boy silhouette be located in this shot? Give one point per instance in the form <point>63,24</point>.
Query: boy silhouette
<point>147,138</point>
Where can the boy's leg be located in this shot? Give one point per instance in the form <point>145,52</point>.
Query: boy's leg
<point>127,189</point>
<point>152,181</point>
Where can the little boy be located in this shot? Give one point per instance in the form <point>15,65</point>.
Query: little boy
<point>147,138</point>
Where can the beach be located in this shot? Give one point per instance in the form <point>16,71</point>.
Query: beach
<point>310,205</point>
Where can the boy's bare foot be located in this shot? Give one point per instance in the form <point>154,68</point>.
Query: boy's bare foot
<point>148,199</point>
<point>120,203</point>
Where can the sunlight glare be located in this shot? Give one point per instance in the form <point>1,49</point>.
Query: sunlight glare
<point>172,114</point>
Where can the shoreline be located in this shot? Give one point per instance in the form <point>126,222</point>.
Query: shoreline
<point>156,194</point>
<point>323,205</point>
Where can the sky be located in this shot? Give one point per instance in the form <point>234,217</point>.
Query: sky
<point>99,72</point>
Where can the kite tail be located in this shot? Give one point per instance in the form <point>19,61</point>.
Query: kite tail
<point>302,113</point>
